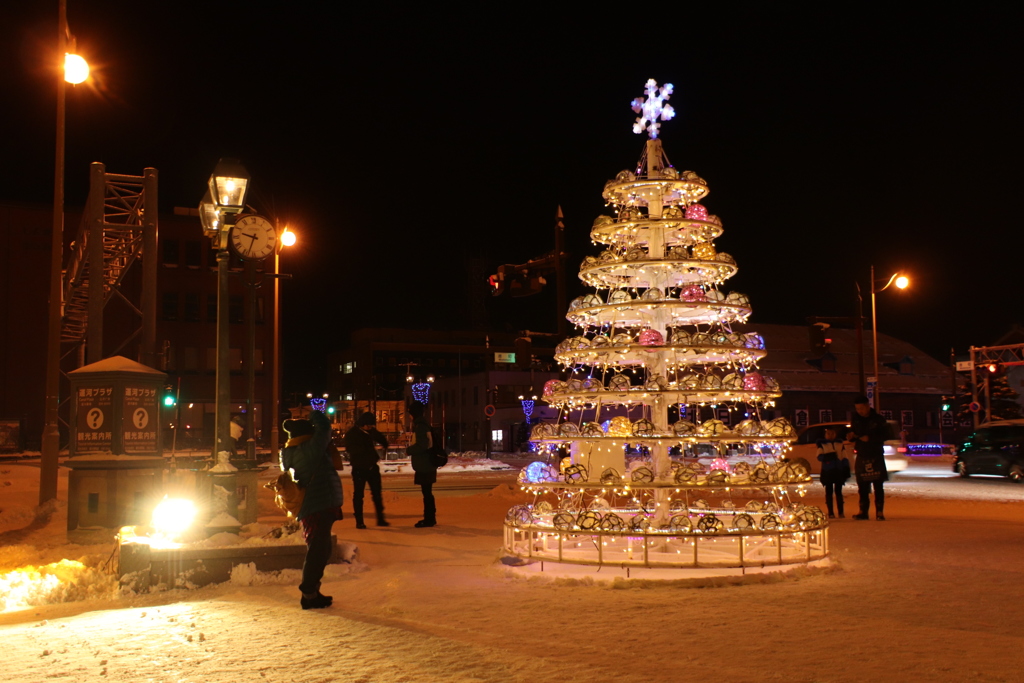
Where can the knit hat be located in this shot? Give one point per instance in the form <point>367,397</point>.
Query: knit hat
<point>366,419</point>
<point>297,427</point>
<point>860,399</point>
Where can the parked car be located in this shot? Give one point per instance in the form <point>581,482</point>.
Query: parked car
<point>806,447</point>
<point>995,448</point>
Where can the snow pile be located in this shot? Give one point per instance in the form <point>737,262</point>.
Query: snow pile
<point>469,461</point>
<point>62,581</point>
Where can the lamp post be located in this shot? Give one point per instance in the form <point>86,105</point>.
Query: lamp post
<point>286,238</point>
<point>76,70</point>
<point>223,201</point>
<point>901,281</point>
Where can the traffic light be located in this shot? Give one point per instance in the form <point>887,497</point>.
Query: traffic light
<point>170,400</point>
<point>947,403</point>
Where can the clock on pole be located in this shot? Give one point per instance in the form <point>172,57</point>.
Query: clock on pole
<point>253,237</point>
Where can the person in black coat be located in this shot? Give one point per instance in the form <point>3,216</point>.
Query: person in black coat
<point>423,464</point>
<point>868,431</point>
<point>361,444</point>
<point>305,456</point>
<point>835,470</point>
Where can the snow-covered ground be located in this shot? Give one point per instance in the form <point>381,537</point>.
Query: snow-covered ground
<point>929,595</point>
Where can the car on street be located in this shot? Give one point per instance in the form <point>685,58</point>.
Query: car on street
<point>995,448</point>
<point>806,447</point>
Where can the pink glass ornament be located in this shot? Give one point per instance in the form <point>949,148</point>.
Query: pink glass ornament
<point>697,212</point>
<point>651,338</point>
<point>754,382</point>
<point>692,293</point>
<point>549,386</point>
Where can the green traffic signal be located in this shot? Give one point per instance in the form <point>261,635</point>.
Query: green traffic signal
<point>169,398</point>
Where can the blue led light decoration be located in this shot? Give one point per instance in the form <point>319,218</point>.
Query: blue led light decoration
<point>421,392</point>
<point>318,404</point>
<point>527,408</point>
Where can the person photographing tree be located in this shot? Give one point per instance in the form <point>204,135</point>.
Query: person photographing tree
<point>361,444</point>
<point>868,430</point>
<point>305,456</point>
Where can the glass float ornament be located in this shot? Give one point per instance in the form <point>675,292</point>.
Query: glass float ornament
<point>710,381</point>
<point>591,300</point>
<point>700,339</point>
<point>588,263</point>
<point>568,429</point>
<point>574,385</point>
<point>643,427</point>
<point>642,475</point>
<point>717,477</point>
<point>656,383</point>
<point>732,381</point>
<point>602,221</point>
<point>618,383</point>
<point>589,520</point>
<point>622,339</point>
<point>679,524</point>
<point>679,336</point>
<point>538,472</point>
<point>575,473</point>
<point>652,294</point>
<point>705,251</point>
<point>780,426</point>
<point>625,176</point>
<point>690,382</point>
<point>612,522</point>
<point>712,428</point>
<point>576,303</point>
<point>679,252</point>
<point>753,506</point>
<point>543,430</point>
<point>754,381</point>
<point>610,476</point>
<point>742,522</point>
<point>651,337</point>
<point>636,254</point>
<point>692,293</point>
<point>620,425</point>
<point>738,299</point>
<point>579,343</point>
<point>607,256</point>
<point>620,297</point>
<point>591,429</point>
<point>748,428</point>
<point>672,212</point>
<point>714,296</point>
<point>639,523</point>
<point>553,386</point>
<point>712,218</point>
<point>592,384</point>
<point>684,428</point>
<point>563,521</point>
<point>697,212</point>
<point>752,340</point>
<point>519,515</point>
<point>725,258</point>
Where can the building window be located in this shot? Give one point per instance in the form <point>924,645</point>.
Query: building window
<point>236,308</point>
<point>497,436</point>
<point>349,397</point>
<point>211,308</point>
<point>234,360</point>
<point>348,368</point>
<point>189,359</point>
<point>211,359</point>
<point>476,396</point>
<point>169,310</point>
<point>94,503</point>
<point>825,415</point>
<point>169,253</point>
<point>193,254</point>
<point>192,312</point>
<point>257,360</point>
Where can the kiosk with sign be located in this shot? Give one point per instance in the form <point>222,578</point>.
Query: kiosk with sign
<point>116,462</point>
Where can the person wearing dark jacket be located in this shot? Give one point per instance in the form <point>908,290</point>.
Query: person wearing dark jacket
<point>305,456</point>
<point>361,444</point>
<point>868,431</point>
<point>423,463</point>
<point>835,470</point>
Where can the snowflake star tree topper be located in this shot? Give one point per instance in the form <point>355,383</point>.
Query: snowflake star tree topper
<point>652,108</point>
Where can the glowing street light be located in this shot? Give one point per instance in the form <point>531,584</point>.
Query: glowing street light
<point>902,282</point>
<point>285,239</point>
<point>76,69</point>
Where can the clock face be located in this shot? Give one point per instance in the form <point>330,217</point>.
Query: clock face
<point>253,237</point>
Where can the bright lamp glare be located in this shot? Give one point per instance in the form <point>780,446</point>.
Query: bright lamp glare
<point>76,69</point>
<point>173,515</point>
<point>902,281</point>
<point>287,238</point>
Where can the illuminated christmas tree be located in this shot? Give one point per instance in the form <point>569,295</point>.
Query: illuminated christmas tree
<point>676,456</point>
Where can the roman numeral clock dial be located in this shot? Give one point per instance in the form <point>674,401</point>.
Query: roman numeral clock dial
<point>253,237</point>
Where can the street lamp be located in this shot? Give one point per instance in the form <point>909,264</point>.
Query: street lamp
<point>76,70</point>
<point>223,201</point>
<point>902,282</point>
<point>286,238</point>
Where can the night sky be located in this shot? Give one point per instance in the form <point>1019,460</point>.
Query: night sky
<point>414,150</point>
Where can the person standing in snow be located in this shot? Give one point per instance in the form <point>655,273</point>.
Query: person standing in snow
<point>835,470</point>
<point>423,464</point>
<point>305,455</point>
<point>361,444</point>
<point>868,431</point>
